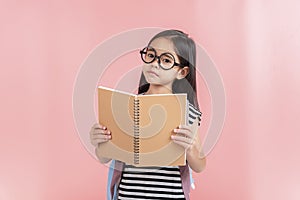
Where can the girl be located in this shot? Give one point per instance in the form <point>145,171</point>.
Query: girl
<point>170,59</point>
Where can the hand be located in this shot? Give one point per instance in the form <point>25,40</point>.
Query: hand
<point>184,137</point>
<point>99,134</point>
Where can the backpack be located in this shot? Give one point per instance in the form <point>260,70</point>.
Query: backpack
<point>109,180</point>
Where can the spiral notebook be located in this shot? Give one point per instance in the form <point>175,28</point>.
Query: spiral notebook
<point>141,127</point>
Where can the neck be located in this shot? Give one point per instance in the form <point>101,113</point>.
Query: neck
<point>158,89</point>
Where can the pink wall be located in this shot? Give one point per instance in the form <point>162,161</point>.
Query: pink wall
<point>255,45</point>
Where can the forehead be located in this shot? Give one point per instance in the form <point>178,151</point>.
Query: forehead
<point>163,45</point>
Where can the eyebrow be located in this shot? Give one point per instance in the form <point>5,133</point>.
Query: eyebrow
<point>168,55</point>
<point>163,52</point>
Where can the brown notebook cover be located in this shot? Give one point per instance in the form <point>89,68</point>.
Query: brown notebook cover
<point>141,127</point>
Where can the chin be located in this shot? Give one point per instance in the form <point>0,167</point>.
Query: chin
<point>151,81</point>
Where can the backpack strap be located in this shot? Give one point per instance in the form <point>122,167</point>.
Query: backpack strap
<point>109,179</point>
<point>192,180</point>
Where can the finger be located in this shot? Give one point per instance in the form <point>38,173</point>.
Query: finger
<point>101,137</point>
<point>184,132</point>
<point>102,127</point>
<point>181,139</point>
<point>100,131</point>
<point>182,126</point>
<point>99,126</point>
<point>99,140</point>
<point>92,136</point>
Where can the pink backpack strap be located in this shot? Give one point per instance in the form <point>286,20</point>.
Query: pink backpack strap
<point>186,182</point>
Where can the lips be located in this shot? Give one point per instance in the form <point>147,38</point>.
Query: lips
<point>152,72</point>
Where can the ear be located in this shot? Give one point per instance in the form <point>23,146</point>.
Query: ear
<point>182,73</point>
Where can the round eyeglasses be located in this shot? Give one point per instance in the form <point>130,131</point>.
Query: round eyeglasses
<point>165,60</point>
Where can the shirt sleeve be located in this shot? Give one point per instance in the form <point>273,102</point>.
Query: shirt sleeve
<point>193,114</point>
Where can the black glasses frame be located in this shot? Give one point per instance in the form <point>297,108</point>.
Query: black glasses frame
<point>158,57</point>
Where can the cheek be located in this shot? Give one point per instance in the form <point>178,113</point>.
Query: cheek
<point>146,67</point>
<point>173,73</point>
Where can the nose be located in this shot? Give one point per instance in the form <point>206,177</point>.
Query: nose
<point>155,62</point>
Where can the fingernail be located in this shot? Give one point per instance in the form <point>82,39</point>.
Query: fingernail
<point>175,130</point>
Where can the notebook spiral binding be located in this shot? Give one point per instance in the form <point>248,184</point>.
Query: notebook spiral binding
<point>136,129</point>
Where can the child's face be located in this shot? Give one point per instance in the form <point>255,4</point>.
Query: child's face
<point>153,73</point>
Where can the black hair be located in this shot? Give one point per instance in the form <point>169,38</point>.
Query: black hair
<point>185,49</point>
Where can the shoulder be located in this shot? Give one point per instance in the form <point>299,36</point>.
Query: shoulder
<point>194,110</point>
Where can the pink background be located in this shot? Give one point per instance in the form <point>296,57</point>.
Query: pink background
<point>255,45</point>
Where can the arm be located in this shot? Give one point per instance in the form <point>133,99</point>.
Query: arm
<point>194,154</point>
<point>101,159</point>
<point>188,138</point>
<point>98,135</point>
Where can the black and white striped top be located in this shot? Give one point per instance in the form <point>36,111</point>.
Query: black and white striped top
<point>154,182</point>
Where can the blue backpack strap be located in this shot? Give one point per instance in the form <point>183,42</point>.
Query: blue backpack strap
<point>109,179</point>
<point>192,180</point>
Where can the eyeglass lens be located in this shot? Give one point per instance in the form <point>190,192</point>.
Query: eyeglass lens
<point>166,60</point>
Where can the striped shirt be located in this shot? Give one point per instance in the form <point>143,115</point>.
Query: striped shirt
<point>154,182</point>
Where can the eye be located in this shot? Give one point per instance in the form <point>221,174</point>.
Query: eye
<point>150,54</point>
<point>166,60</point>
